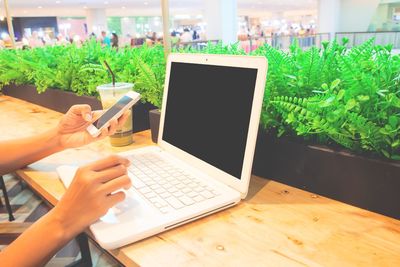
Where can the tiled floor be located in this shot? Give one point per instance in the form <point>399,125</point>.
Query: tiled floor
<point>28,208</point>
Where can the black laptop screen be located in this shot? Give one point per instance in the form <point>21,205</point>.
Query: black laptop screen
<point>208,113</point>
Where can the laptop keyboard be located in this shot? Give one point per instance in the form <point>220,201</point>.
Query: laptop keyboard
<point>166,186</point>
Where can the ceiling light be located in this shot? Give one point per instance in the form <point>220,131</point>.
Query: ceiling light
<point>182,16</point>
<point>58,2</point>
<point>146,3</point>
<point>1,17</point>
<point>106,2</point>
<point>39,7</point>
<point>123,7</point>
<point>4,35</point>
<point>84,7</point>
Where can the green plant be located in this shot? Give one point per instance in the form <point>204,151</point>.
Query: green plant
<point>80,69</point>
<point>332,95</point>
<point>335,95</point>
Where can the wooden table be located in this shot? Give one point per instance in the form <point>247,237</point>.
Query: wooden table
<point>276,225</point>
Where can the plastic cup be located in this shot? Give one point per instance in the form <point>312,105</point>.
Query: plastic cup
<point>110,94</point>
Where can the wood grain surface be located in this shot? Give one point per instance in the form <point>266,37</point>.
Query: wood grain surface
<point>276,225</point>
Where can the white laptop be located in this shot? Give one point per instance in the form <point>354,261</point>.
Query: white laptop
<point>202,163</point>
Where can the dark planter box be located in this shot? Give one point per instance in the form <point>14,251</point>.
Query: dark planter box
<point>61,101</point>
<point>54,99</point>
<point>371,184</point>
<point>154,117</point>
<point>141,116</point>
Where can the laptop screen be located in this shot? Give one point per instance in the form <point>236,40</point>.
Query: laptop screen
<point>208,113</point>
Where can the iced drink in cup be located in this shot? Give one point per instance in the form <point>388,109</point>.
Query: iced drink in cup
<point>109,94</point>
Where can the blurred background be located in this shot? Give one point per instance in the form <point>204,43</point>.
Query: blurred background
<point>192,22</point>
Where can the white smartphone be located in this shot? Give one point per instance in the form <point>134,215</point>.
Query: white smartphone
<point>116,111</point>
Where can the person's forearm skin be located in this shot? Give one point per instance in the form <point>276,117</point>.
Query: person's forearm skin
<point>18,153</point>
<point>38,244</point>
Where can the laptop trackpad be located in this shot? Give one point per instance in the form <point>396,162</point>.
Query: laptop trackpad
<point>133,208</point>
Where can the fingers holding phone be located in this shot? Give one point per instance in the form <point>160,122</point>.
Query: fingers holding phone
<point>115,124</point>
<point>109,119</point>
<point>81,126</point>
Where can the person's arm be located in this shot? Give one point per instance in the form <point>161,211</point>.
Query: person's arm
<point>89,197</point>
<point>70,132</point>
<point>15,154</point>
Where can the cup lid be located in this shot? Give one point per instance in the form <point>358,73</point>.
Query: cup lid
<point>118,86</point>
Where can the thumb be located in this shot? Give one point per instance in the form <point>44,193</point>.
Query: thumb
<point>82,110</point>
<point>115,198</point>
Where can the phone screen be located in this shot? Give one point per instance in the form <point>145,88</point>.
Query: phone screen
<point>100,122</point>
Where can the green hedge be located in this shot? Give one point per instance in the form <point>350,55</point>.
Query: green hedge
<point>336,95</point>
<point>81,70</point>
<point>333,95</point>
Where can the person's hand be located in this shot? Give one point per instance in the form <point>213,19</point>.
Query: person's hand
<point>90,194</point>
<point>72,126</point>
